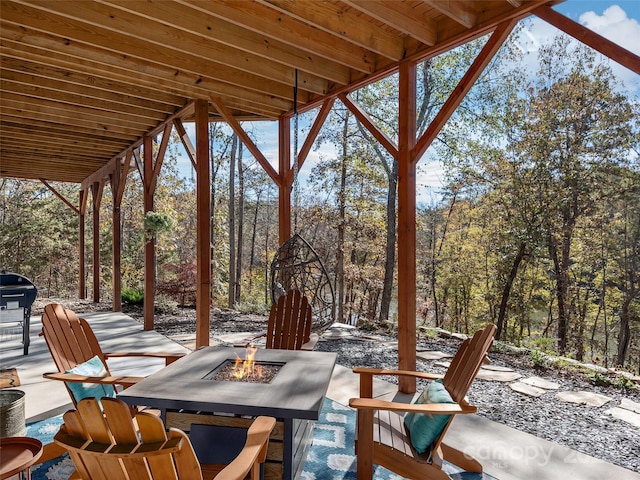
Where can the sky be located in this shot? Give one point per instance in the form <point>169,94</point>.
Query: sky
<point>618,21</point>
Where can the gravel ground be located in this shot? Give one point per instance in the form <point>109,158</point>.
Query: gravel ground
<point>585,429</point>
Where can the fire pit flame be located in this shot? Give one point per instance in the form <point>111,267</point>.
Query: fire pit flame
<point>248,368</point>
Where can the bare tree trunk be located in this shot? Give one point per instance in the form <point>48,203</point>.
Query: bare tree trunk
<point>232,222</point>
<point>624,336</point>
<point>506,291</point>
<point>254,229</point>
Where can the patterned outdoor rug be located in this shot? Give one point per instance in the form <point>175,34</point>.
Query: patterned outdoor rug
<point>331,456</point>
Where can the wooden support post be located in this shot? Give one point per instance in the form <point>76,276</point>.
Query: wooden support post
<point>284,185</point>
<point>150,244</point>
<point>82,210</point>
<point>118,179</point>
<point>203,202</point>
<point>96,193</point>
<point>407,226</point>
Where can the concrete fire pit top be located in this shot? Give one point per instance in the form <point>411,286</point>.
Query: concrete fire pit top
<point>297,391</point>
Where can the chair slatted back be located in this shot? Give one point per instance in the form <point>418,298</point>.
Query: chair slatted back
<point>111,444</point>
<point>70,339</point>
<point>467,362</point>
<point>290,322</point>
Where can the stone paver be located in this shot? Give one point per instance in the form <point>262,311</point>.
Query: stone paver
<point>527,389</point>
<point>588,398</point>
<point>433,355</point>
<point>498,376</point>
<point>497,368</point>
<point>625,415</point>
<point>630,405</point>
<point>541,383</point>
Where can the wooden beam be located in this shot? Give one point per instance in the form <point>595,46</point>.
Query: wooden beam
<point>203,240</point>
<point>82,208</point>
<point>150,243</point>
<point>407,226</point>
<point>311,137</point>
<point>206,36</point>
<point>364,119</point>
<point>581,33</point>
<point>118,180</point>
<point>60,196</point>
<point>162,149</point>
<point>464,85</point>
<point>268,25</point>
<point>186,141</point>
<point>284,184</point>
<point>245,139</point>
<point>344,23</point>
<point>96,194</point>
<point>400,16</point>
<point>85,60</point>
<point>455,11</point>
<point>101,25</point>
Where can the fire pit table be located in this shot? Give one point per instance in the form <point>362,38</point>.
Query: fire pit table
<point>195,391</point>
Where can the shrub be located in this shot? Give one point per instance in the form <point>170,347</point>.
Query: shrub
<point>623,383</point>
<point>133,296</point>
<point>538,358</point>
<point>599,379</point>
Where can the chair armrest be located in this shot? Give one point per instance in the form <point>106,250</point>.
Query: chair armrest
<point>311,344</point>
<point>397,373</point>
<point>169,357</point>
<point>433,408</point>
<point>253,453</point>
<point>50,451</point>
<point>111,380</point>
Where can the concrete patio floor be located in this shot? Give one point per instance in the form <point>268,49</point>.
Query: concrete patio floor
<point>505,453</point>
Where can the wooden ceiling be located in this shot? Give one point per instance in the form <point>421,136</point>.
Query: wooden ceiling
<point>82,81</point>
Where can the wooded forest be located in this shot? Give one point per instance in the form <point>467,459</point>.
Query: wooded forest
<point>536,227</point>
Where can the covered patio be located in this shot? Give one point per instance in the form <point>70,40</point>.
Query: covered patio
<point>508,454</point>
<point>92,90</point>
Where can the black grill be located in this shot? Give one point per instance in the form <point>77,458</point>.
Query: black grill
<point>17,293</point>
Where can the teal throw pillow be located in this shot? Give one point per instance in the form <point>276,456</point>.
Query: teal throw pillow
<point>90,368</point>
<point>424,428</point>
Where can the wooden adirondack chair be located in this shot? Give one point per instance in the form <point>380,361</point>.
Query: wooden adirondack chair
<point>71,343</point>
<point>382,437</point>
<point>290,320</point>
<point>112,444</point>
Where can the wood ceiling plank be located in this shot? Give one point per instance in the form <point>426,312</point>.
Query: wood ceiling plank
<point>400,16</point>
<point>38,149</point>
<point>255,102</point>
<point>342,23</point>
<point>272,25</point>
<point>42,170</point>
<point>176,22</point>
<point>87,114</point>
<point>54,159</point>
<point>57,87</point>
<point>455,10</point>
<point>64,131</point>
<point>45,137</point>
<point>106,26</point>
<point>78,77</point>
<point>20,86</point>
<point>157,77</point>
<point>95,127</point>
<point>20,138</point>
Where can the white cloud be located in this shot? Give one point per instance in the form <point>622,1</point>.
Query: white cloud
<point>615,25</point>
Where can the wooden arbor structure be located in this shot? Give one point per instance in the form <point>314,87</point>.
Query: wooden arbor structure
<point>87,87</point>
